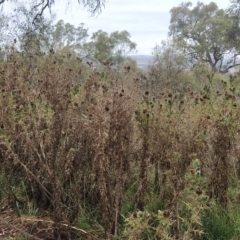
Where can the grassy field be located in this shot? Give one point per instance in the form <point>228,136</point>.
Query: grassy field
<point>94,154</point>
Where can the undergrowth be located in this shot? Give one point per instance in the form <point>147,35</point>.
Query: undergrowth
<point>96,156</point>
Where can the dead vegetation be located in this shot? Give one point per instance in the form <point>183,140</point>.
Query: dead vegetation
<point>96,156</point>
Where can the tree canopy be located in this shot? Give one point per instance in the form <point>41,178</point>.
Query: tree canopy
<point>66,35</point>
<point>113,47</point>
<point>93,6</point>
<point>234,32</point>
<point>167,68</point>
<point>204,32</point>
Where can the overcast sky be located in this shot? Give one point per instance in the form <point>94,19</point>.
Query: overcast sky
<point>146,20</point>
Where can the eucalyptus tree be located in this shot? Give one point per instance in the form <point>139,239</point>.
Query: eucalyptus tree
<point>168,67</point>
<point>234,31</point>
<point>67,36</point>
<point>32,37</point>
<point>203,31</point>
<point>4,34</point>
<point>114,47</point>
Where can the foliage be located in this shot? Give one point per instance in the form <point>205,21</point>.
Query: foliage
<point>113,47</point>
<point>168,67</point>
<point>203,32</point>
<point>31,37</point>
<point>100,156</point>
<point>219,224</point>
<point>42,36</point>
<point>65,35</point>
<point>234,31</point>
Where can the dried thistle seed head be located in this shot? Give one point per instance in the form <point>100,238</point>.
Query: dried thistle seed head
<point>135,214</point>
<point>127,69</point>
<point>198,191</point>
<point>224,82</point>
<point>137,112</point>
<point>205,96</point>
<point>105,90</point>
<point>166,213</point>
<point>192,171</point>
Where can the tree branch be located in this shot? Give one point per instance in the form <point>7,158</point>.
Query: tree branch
<point>48,4</point>
<point>229,67</point>
<point>93,6</point>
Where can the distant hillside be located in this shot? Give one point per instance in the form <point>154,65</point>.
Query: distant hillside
<point>142,60</point>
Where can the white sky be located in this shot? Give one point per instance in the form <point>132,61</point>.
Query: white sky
<point>146,20</point>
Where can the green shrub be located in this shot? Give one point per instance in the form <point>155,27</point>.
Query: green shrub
<point>219,224</point>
